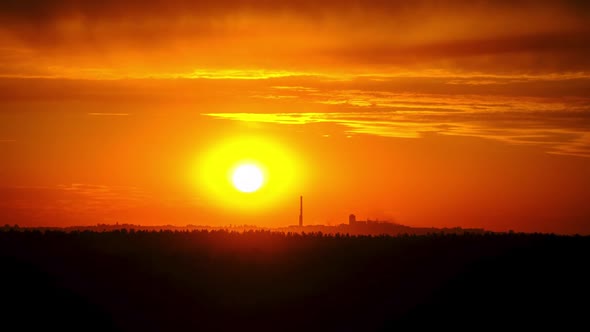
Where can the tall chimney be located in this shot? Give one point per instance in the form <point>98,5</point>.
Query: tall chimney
<point>300,211</point>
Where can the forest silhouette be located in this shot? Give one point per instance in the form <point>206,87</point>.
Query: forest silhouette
<point>201,280</point>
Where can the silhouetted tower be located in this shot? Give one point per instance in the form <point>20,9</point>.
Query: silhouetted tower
<point>352,219</point>
<point>300,211</point>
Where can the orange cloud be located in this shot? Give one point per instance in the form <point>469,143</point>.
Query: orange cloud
<point>557,125</point>
<point>77,203</point>
<point>107,114</point>
<point>178,38</point>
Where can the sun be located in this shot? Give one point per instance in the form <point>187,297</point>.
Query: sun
<point>244,174</point>
<point>247,178</point>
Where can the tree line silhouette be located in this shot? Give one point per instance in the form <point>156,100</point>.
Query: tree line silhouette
<point>128,280</point>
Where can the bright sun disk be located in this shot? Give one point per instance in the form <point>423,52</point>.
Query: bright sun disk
<point>247,178</point>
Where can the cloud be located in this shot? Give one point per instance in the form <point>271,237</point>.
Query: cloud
<point>242,39</point>
<point>72,204</point>
<point>104,193</point>
<point>557,125</point>
<point>532,51</point>
<point>50,9</point>
<point>108,114</point>
<point>87,204</point>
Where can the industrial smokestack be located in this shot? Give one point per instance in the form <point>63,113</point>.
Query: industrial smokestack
<point>300,211</point>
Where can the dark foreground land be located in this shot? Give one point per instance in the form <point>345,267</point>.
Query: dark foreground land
<point>259,281</point>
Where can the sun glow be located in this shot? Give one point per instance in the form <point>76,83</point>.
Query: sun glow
<point>249,174</point>
<point>247,178</point>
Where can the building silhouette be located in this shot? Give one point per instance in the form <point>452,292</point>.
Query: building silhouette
<point>351,219</point>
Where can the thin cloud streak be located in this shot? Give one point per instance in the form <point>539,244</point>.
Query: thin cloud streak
<point>559,126</point>
<point>566,141</point>
<point>78,202</point>
<point>86,204</point>
<point>108,114</point>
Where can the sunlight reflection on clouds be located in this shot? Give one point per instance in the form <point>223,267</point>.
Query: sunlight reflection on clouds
<point>559,125</point>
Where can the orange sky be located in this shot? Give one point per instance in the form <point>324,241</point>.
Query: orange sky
<point>428,113</point>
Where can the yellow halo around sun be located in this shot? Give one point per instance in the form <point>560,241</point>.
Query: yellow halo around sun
<point>247,178</point>
<point>246,173</point>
